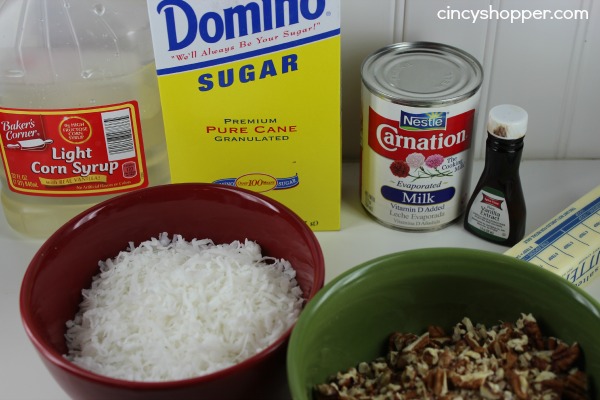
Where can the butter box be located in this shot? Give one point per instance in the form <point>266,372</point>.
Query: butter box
<point>569,243</point>
<point>250,92</point>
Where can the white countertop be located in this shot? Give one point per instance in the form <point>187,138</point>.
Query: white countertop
<point>549,186</point>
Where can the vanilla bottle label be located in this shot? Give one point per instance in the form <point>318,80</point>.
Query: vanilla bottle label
<point>489,214</point>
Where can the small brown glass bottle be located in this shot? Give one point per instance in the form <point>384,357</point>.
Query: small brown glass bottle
<point>496,211</point>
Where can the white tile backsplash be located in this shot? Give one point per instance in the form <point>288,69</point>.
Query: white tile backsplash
<point>549,67</point>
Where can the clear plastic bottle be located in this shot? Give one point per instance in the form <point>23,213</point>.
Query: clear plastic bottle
<point>68,68</point>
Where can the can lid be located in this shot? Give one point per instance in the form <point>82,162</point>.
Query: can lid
<point>422,74</point>
<point>507,121</point>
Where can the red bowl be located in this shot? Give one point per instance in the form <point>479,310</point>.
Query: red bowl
<point>65,263</point>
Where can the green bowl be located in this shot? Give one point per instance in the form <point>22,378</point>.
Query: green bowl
<point>350,319</point>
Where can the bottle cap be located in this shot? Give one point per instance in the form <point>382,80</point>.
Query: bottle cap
<point>507,121</point>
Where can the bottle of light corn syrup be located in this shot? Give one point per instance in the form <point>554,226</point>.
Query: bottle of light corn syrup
<point>80,114</point>
<point>496,211</point>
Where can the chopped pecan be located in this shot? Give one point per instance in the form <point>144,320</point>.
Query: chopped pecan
<point>556,385</point>
<point>437,332</point>
<point>552,343</point>
<point>539,362</point>
<point>564,357</point>
<point>398,341</point>
<point>511,360</point>
<point>431,356</point>
<point>576,386</point>
<point>507,361</point>
<point>384,379</point>
<point>446,357</point>
<point>365,369</point>
<point>491,391</point>
<point>326,391</point>
<point>533,331</point>
<point>436,381</point>
<point>519,384</point>
<point>460,345</point>
<point>419,344</point>
<point>471,381</point>
<point>498,347</point>
<point>349,378</point>
<point>473,343</point>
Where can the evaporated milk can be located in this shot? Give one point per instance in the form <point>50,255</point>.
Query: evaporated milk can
<point>419,106</point>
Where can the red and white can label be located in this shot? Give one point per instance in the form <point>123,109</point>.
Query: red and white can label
<point>73,152</point>
<point>415,162</point>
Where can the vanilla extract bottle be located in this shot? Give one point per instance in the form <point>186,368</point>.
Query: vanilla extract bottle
<point>496,211</point>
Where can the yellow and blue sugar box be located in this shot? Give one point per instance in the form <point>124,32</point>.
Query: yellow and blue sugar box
<point>250,92</point>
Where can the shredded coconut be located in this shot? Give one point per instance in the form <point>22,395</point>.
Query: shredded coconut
<point>173,309</point>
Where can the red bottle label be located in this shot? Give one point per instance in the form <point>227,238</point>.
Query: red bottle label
<point>73,152</point>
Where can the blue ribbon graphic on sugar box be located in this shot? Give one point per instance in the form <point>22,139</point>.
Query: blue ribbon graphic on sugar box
<point>287,183</point>
<point>282,183</point>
